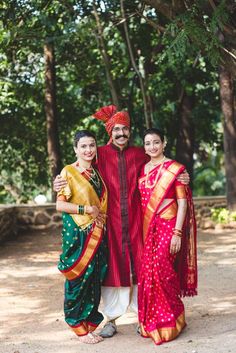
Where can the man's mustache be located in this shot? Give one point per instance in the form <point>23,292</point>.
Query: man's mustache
<point>118,136</point>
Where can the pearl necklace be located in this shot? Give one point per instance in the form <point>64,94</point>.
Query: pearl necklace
<point>147,181</point>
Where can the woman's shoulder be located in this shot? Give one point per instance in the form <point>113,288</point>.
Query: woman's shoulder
<point>67,167</point>
<point>175,163</point>
<point>67,170</point>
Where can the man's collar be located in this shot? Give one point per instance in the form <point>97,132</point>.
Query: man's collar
<point>119,149</point>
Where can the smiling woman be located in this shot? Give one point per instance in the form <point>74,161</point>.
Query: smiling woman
<point>169,244</point>
<point>83,202</point>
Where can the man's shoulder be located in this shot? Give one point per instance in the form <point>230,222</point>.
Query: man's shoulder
<point>101,148</point>
<point>137,150</point>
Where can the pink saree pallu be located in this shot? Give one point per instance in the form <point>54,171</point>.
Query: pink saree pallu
<point>164,277</point>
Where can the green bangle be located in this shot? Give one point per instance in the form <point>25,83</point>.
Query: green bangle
<point>80,209</point>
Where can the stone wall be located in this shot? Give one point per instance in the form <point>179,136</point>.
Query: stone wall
<point>8,223</point>
<point>38,217</point>
<point>14,219</point>
<point>203,206</point>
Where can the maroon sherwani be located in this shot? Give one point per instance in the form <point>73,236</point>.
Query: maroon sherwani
<point>120,171</point>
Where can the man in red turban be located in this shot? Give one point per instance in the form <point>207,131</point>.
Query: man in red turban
<point>120,165</point>
<point>111,117</point>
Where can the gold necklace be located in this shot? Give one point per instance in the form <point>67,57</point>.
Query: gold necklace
<point>155,164</point>
<point>147,181</point>
<point>93,175</point>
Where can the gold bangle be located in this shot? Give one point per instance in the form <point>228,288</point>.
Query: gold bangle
<point>177,232</point>
<point>178,235</point>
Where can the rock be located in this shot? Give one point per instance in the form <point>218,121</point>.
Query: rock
<point>23,219</point>
<point>51,210</point>
<point>41,218</point>
<point>56,218</point>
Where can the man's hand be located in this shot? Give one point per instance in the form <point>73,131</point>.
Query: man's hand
<point>59,183</point>
<point>184,178</point>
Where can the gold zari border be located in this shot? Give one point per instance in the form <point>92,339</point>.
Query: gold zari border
<point>165,334</point>
<point>77,270</point>
<point>158,194</point>
<point>83,329</point>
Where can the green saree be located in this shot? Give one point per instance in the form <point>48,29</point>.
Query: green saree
<point>83,260</point>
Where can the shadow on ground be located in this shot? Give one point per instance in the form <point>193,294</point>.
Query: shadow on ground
<point>31,302</point>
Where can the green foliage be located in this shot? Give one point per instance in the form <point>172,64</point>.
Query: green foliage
<point>196,31</point>
<point>82,84</point>
<point>222,215</point>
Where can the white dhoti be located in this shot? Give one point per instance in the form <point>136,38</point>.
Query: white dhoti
<point>116,301</point>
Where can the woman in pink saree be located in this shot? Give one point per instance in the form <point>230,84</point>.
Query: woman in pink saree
<point>169,264</point>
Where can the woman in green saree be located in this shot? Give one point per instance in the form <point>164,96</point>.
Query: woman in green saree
<point>83,202</point>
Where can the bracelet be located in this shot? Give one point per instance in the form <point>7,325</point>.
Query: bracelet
<point>80,209</point>
<point>177,232</point>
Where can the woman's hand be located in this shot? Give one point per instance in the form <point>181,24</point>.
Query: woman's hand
<point>98,216</point>
<point>59,183</point>
<point>92,211</point>
<point>184,178</point>
<point>175,244</point>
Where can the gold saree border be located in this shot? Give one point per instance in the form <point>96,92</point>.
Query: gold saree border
<point>78,268</point>
<point>165,334</point>
<point>158,193</point>
<point>180,192</point>
<point>169,211</point>
<point>84,328</point>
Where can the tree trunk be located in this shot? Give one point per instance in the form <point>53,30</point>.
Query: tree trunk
<point>53,146</point>
<point>185,138</point>
<point>227,106</point>
<point>147,114</point>
<point>106,59</point>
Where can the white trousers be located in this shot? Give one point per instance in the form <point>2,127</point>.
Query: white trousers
<point>116,301</point>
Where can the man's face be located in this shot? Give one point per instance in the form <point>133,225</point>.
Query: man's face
<point>120,135</point>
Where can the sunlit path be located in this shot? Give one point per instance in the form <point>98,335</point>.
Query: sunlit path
<point>31,303</point>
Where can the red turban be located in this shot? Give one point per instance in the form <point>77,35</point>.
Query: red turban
<point>111,117</point>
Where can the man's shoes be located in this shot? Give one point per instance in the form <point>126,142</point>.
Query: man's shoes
<point>109,330</point>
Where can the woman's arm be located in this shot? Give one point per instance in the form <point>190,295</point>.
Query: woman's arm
<point>68,207</point>
<point>181,213</point>
<point>180,217</point>
<point>72,208</point>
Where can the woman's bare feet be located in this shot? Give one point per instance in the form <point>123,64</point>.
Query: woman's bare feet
<point>99,338</point>
<point>90,338</point>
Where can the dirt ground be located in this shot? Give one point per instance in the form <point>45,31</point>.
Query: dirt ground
<point>31,302</point>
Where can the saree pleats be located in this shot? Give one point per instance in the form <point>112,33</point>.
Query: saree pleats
<point>82,294</point>
<point>161,311</point>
